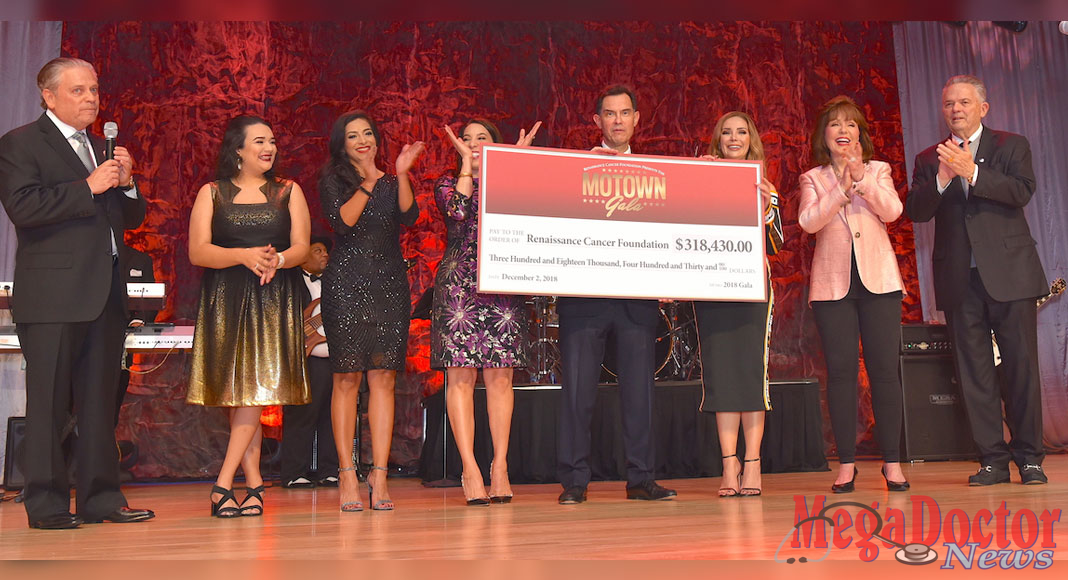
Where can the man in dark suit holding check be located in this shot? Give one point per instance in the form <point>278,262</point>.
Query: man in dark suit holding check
<point>585,324</point>
<point>70,205</point>
<point>987,275</point>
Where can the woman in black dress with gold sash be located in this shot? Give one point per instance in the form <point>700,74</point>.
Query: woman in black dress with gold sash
<point>248,229</point>
<point>734,336</point>
<point>366,302</point>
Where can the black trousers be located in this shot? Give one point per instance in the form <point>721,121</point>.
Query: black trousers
<point>582,345</point>
<point>73,366</point>
<point>124,384</point>
<point>876,320</point>
<point>307,427</point>
<point>1016,326</point>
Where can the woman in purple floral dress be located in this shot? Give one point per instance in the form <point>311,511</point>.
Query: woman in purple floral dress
<point>471,331</point>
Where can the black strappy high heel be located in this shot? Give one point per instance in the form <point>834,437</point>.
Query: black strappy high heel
<point>750,491</point>
<point>217,510</point>
<point>253,493</point>
<point>730,491</point>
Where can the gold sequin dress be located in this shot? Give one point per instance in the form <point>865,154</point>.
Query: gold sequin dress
<point>248,348</point>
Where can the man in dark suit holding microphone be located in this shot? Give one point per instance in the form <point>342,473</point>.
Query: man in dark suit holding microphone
<point>987,275</point>
<point>585,324</point>
<point>70,205</point>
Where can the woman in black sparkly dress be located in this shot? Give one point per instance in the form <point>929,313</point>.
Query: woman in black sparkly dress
<point>366,303</point>
<point>247,230</point>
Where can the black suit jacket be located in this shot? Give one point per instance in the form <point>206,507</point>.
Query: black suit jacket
<point>988,223</point>
<point>63,263</point>
<point>643,312</point>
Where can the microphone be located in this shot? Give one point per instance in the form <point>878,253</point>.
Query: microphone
<point>111,131</point>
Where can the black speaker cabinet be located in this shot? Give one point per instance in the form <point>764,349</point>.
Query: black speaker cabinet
<point>936,424</point>
<point>13,454</point>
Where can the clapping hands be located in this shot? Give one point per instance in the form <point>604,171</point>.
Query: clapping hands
<point>408,156</point>
<point>458,144</point>
<point>525,139</point>
<point>954,161</point>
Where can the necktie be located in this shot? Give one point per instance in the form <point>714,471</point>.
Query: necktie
<point>312,277</point>
<point>87,161</point>
<point>964,145</point>
<point>83,151</point>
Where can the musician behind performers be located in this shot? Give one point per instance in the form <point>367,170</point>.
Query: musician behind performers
<point>306,429</point>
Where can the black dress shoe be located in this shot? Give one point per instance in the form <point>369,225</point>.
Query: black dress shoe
<point>894,485</point>
<point>573,495</point>
<point>846,487</point>
<point>649,490</point>
<point>989,475</point>
<point>124,515</point>
<point>1032,474</point>
<point>62,521</point>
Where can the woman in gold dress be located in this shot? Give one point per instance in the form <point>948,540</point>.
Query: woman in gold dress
<point>248,229</point>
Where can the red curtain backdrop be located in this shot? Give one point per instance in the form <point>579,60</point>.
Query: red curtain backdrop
<point>172,86</point>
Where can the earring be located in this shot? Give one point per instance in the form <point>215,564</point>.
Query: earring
<point>239,164</point>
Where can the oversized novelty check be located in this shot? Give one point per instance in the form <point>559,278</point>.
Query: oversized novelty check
<point>572,223</point>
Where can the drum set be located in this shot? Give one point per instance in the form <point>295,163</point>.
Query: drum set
<point>677,357</point>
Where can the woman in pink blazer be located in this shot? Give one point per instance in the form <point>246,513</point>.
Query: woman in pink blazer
<point>856,287</point>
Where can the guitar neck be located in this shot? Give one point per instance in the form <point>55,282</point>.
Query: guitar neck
<point>1055,290</point>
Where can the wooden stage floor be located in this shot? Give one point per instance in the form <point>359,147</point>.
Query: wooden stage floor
<point>435,523</point>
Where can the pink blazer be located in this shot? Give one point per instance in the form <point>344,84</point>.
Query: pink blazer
<point>842,227</point>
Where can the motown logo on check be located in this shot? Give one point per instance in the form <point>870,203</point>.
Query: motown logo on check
<point>623,187</point>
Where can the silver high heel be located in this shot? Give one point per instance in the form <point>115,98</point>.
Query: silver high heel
<point>382,504</point>
<point>498,498</point>
<point>351,506</point>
